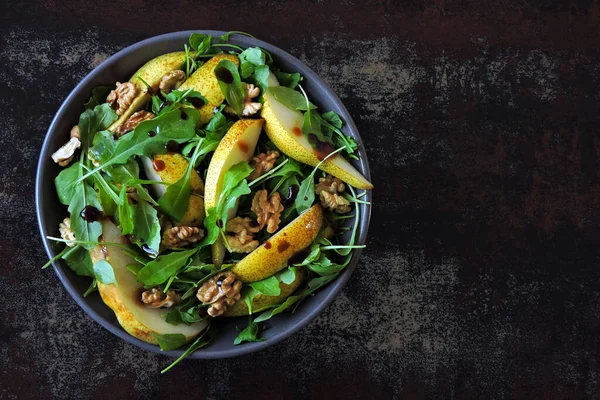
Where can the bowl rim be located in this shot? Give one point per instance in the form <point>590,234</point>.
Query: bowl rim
<point>293,325</point>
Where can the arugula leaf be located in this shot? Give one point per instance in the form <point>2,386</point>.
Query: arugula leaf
<point>231,85</point>
<point>290,98</point>
<point>163,267</point>
<point>84,196</point>
<point>79,260</point>
<point>333,118</point>
<point>268,286</point>
<point>105,273</point>
<point>177,98</point>
<point>288,275</point>
<point>249,59</point>
<point>234,176</point>
<point>146,226</point>
<point>95,120</point>
<point>232,198</point>
<point>184,314</point>
<point>288,80</point>
<point>64,183</point>
<point>178,125</point>
<point>217,121</point>
<point>204,339</point>
<point>92,288</point>
<point>170,341</point>
<point>126,213</point>
<point>99,95</point>
<point>313,285</point>
<point>249,334</point>
<point>306,194</point>
<point>312,122</point>
<point>200,42</point>
<point>261,75</point>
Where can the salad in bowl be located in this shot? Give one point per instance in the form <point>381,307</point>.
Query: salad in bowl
<point>207,186</point>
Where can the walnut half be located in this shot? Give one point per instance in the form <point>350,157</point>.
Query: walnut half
<point>181,236</point>
<point>220,291</point>
<point>268,210</point>
<point>156,298</point>
<point>263,163</point>
<point>242,240</point>
<point>330,191</point>
<point>122,96</point>
<point>64,155</point>
<point>66,232</point>
<point>133,121</point>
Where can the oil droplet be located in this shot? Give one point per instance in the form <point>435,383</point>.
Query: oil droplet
<point>267,245</point>
<point>91,214</point>
<point>151,133</point>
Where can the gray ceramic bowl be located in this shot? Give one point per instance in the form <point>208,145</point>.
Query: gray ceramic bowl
<point>50,212</point>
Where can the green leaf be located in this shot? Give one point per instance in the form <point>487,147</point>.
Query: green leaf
<point>105,273</point>
<point>253,55</point>
<point>147,226</point>
<point>176,98</point>
<point>306,194</point>
<point>84,196</point>
<point>176,199</point>
<point>232,198</point>
<point>217,121</point>
<point>161,269</point>
<point>288,275</point>
<point>333,118</point>
<point>64,183</point>
<point>313,285</point>
<point>288,80</point>
<point>204,339</point>
<point>200,43</point>
<point>268,286</point>
<point>170,341</point>
<point>178,125</point>
<point>234,176</point>
<point>99,95</point>
<point>92,288</point>
<point>92,121</point>
<point>249,334</point>
<point>79,260</point>
<point>261,75</point>
<point>290,98</point>
<point>106,195</point>
<point>231,85</point>
<point>126,213</point>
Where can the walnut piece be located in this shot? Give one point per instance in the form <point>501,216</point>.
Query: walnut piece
<point>75,132</point>
<point>181,236</point>
<point>220,291</point>
<point>330,184</point>
<point>263,163</point>
<point>123,96</point>
<point>156,298</point>
<point>334,202</point>
<point>268,211</point>
<point>64,155</point>
<point>134,121</point>
<point>329,190</point>
<point>171,81</point>
<point>66,232</point>
<point>243,239</point>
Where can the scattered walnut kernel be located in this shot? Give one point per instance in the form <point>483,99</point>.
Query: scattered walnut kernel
<point>250,91</point>
<point>334,202</point>
<point>181,236</point>
<point>156,298</point>
<point>64,155</point>
<point>66,232</point>
<point>268,210</point>
<point>220,291</point>
<point>171,81</point>
<point>263,163</point>
<point>251,108</point>
<point>123,96</point>
<point>134,121</point>
<point>75,132</point>
<point>330,184</point>
<point>243,240</point>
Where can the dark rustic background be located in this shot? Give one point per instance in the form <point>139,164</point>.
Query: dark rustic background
<point>481,278</point>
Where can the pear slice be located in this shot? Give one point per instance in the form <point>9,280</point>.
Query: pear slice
<point>284,128</point>
<point>151,73</point>
<point>204,81</point>
<point>169,168</point>
<point>237,145</point>
<point>137,319</point>
<point>262,302</point>
<point>274,254</point>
